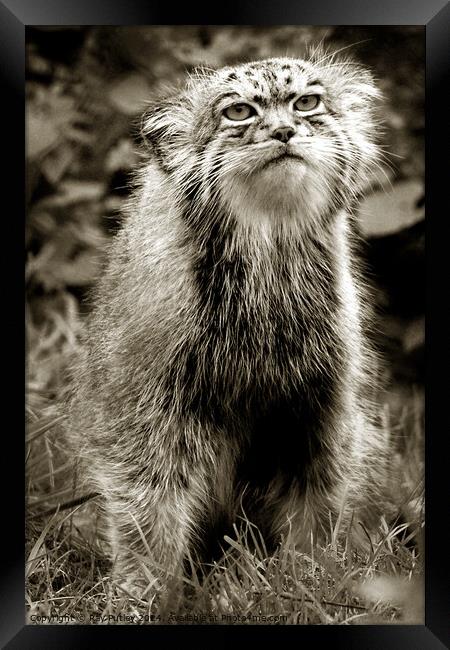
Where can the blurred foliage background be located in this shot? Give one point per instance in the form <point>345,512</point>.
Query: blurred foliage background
<point>86,88</point>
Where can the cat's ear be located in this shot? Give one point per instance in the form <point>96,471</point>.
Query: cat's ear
<point>165,127</point>
<point>359,88</point>
<point>157,123</point>
<point>353,85</point>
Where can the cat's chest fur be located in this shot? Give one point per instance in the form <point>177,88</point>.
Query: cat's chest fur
<point>266,326</point>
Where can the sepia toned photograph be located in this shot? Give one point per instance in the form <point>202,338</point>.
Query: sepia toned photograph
<point>225,304</point>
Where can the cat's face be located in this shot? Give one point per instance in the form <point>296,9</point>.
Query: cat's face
<point>270,124</point>
<point>272,137</point>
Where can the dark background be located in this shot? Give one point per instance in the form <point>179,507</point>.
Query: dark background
<point>86,88</point>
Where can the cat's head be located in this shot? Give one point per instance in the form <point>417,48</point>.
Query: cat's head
<point>275,138</point>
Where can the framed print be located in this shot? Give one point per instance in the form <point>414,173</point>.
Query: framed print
<point>225,386</point>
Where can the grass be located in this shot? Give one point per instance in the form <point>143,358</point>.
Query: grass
<point>69,580</point>
<point>68,574</point>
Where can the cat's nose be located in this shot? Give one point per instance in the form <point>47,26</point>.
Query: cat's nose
<point>283,133</point>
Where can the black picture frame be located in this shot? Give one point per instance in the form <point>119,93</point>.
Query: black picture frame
<point>15,15</point>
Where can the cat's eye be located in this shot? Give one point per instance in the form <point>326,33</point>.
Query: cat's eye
<point>239,112</point>
<point>307,102</point>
